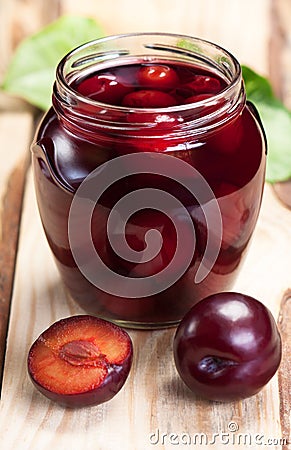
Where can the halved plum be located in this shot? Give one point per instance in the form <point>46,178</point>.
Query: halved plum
<point>80,361</point>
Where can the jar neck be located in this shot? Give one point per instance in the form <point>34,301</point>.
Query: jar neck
<point>84,116</point>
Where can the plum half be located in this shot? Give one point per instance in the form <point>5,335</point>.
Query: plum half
<point>80,361</point>
<point>227,347</point>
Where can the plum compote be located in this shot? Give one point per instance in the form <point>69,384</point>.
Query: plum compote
<point>150,85</point>
<point>182,109</point>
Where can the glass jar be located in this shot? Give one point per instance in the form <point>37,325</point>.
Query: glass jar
<point>147,207</point>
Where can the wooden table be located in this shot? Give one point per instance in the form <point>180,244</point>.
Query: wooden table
<point>154,409</point>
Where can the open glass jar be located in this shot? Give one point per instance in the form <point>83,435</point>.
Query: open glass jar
<point>149,172</point>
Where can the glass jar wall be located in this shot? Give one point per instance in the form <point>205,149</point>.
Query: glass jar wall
<point>149,172</point>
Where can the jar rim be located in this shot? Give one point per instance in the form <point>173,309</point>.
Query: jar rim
<point>227,55</point>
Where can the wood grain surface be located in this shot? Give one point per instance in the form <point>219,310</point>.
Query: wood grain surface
<point>13,176</point>
<point>154,409</point>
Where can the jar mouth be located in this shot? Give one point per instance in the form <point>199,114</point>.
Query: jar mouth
<point>119,49</point>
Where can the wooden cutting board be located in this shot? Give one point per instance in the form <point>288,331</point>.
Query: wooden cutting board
<point>154,409</point>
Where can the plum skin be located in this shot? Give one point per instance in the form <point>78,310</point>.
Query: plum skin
<point>227,347</point>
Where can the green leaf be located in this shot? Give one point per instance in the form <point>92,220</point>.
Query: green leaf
<point>31,72</point>
<point>276,119</point>
<point>258,87</point>
<point>188,45</point>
